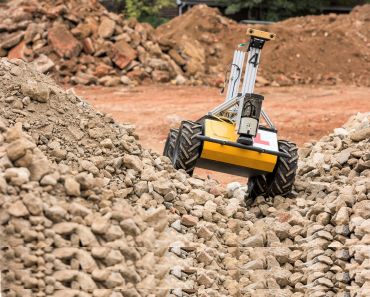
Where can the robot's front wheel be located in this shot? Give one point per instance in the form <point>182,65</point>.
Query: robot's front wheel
<point>281,180</point>
<point>188,146</point>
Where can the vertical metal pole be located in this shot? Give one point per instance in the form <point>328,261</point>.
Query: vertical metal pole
<point>249,79</point>
<point>235,75</point>
<point>231,79</point>
<point>252,79</point>
<point>251,71</point>
<point>240,64</point>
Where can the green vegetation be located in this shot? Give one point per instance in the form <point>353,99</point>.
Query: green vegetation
<point>280,9</point>
<point>271,10</point>
<point>147,10</point>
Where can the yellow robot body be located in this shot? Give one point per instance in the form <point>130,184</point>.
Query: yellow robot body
<point>225,157</point>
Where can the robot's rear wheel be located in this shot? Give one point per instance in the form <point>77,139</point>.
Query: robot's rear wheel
<point>188,146</point>
<point>169,146</point>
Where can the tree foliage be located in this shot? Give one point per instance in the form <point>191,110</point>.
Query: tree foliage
<point>145,8</point>
<point>280,9</point>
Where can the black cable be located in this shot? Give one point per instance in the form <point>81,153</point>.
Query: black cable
<point>226,75</point>
<point>238,69</point>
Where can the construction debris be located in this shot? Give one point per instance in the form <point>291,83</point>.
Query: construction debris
<point>86,211</point>
<point>80,42</point>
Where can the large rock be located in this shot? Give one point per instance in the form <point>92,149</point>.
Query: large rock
<point>195,57</point>
<point>360,134</point>
<point>161,76</point>
<point>133,162</point>
<point>122,54</point>
<point>88,46</point>
<point>33,204</point>
<point>36,90</point>
<point>43,64</point>
<point>199,196</point>
<point>11,40</point>
<point>18,209</point>
<point>106,27</point>
<point>362,209</point>
<point>189,220</point>
<point>17,176</point>
<point>39,166</point>
<point>63,42</point>
<point>72,187</point>
<point>19,148</point>
<point>342,216</point>
<point>254,241</point>
<point>18,52</point>
<point>177,57</point>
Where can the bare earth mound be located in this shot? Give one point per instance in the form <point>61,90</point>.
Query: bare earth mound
<point>312,49</point>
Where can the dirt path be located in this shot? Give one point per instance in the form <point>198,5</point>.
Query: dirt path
<point>301,113</point>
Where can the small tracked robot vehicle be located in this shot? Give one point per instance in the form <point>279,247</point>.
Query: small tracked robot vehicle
<point>238,137</point>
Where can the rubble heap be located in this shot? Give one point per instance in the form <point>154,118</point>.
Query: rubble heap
<point>58,242</point>
<point>326,49</point>
<point>80,42</point>
<point>66,227</point>
<point>86,211</point>
<point>315,243</point>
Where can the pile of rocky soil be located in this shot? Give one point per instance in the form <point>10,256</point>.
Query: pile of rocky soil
<point>86,211</point>
<point>325,49</point>
<point>315,243</point>
<point>69,221</point>
<point>68,233</point>
<point>80,42</point>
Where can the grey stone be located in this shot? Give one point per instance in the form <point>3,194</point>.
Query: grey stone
<point>36,90</point>
<point>72,187</point>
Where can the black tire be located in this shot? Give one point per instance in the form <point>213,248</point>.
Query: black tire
<point>281,180</point>
<point>285,170</point>
<point>169,146</point>
<point>257,186</point>
<point>188,146</point>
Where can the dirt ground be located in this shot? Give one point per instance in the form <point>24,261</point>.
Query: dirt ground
<point>301,113</point>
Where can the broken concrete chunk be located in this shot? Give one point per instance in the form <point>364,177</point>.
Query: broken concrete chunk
<point>106,28</point>
<point>63,42</point>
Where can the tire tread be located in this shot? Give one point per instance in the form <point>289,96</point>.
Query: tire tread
<point>281,180</point>
<point>169,146</point>
<point>188,146</point>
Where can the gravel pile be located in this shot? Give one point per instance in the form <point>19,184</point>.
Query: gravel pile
<point>59,243</point>
<point>66,227</point>
<point>85,211</point>
<point>315,243</point>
